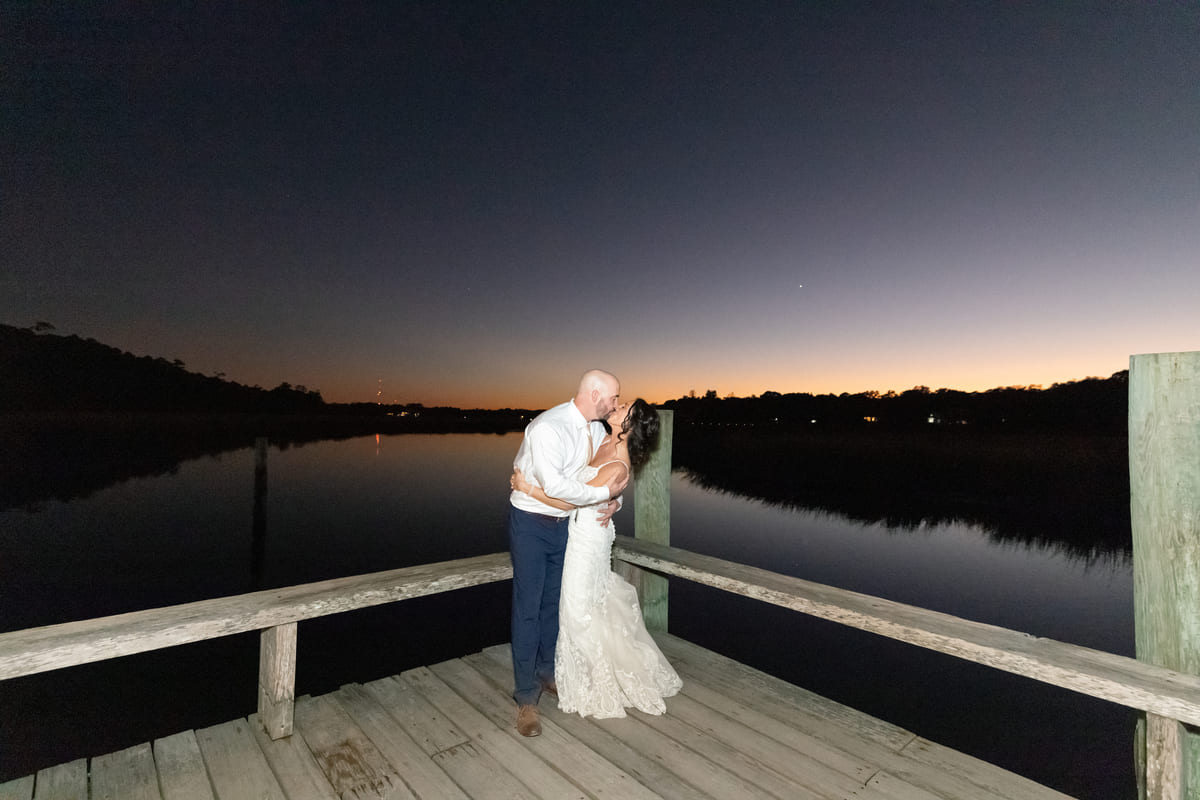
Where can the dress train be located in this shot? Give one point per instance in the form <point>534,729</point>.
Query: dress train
<point>605,660</point>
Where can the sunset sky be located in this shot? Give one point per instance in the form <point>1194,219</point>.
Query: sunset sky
<point>474,202</point>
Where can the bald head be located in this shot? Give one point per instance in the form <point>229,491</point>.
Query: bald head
<point>598,394</point>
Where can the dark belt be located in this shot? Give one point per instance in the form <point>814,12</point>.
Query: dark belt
<point>546,517</point>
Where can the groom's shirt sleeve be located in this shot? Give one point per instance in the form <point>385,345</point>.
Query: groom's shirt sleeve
<point>550,452</point>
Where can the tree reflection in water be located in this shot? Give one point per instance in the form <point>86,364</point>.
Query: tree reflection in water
<point>1057,491</point>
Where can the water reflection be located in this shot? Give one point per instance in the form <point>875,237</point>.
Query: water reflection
<point>1064,494</point>
<point>344,507</point>
<point>1070,742</point>
<point>954,567</point>
<point>56,457</point>
<point>259,524</point>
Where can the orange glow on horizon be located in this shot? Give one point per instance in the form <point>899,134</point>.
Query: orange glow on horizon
<point>552,392</point>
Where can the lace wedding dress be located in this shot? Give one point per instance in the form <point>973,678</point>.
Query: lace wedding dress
<point>605,661</point>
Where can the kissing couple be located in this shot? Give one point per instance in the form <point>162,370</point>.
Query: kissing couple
<point>577,628</point>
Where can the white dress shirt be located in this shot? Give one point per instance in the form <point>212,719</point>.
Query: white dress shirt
<point>553,451</point>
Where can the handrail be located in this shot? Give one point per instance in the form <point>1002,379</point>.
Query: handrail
<point>1118,679</point>
<point>68,644</point>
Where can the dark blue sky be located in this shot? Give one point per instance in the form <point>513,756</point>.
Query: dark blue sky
<point>474,202</point>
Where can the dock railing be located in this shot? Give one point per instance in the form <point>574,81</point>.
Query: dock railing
<point>1170,699</point>
<point>274,612</point>
<point>1107,676</point>
<point>1161,692</point>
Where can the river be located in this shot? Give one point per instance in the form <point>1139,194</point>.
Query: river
<point>336,508</point>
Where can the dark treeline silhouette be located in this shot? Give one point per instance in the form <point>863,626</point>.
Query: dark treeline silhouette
<point>1040,466</point>
<point>1092,404</point>
<point>77,416</point>
<point>45,372</point>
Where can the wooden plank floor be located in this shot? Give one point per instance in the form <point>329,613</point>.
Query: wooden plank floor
<point>446,731</point>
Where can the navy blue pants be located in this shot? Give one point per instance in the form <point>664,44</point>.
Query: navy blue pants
<point>537,544</point>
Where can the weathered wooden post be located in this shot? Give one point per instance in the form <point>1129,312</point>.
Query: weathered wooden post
<point>1164,485</point>
<point>652,522</point>
<point>277,679</point>
<point>258,542</point>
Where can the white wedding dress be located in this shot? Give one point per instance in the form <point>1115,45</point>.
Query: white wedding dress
<point>605,661</point>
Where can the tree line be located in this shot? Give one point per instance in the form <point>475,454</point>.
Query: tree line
<point>44,372</point>
<point>41,371</point>
<point>1098,405</point>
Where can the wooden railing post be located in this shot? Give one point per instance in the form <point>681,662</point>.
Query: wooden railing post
<point>652,523</point>
<point>1164,485</point>
<point>1166,768</point>
<point>277,679</point>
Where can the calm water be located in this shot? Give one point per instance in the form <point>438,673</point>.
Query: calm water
<point>368,504</point>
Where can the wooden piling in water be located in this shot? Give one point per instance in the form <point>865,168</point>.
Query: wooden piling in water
<point>1164,484</point>
<point>258,541</point>
<point>652,522</point>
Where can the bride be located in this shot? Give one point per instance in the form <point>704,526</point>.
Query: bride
<point>605,661</point>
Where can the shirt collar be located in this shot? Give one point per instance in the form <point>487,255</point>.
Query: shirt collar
<point>577,415</point>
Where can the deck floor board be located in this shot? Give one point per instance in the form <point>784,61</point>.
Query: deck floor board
<point>522,762</point>
<point>702,776</point>
<point>347,756</point>
<point>447,731</point>
<point>18,789</point>
<point>293,764</point>
<point>62,782</point>
<point>181,774</point>
<point>236,764</point>
<point>596,776</point>
<point>606,744</point>
<point>423,777</point>
<point>127,774</point>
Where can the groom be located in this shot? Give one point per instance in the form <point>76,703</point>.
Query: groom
<point>557,444</point>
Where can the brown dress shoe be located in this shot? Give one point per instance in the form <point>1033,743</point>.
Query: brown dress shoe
<point>550,687</point>
<point>529,722</point>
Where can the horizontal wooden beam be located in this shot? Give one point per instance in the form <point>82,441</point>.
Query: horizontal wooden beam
<point>1126,681</point>
<point>1118,679</point>
<point>33,650</point>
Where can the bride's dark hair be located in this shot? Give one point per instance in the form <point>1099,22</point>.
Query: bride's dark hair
<point>641,430</point>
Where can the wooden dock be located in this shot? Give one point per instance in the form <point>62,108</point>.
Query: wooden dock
<point>446,731</point>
